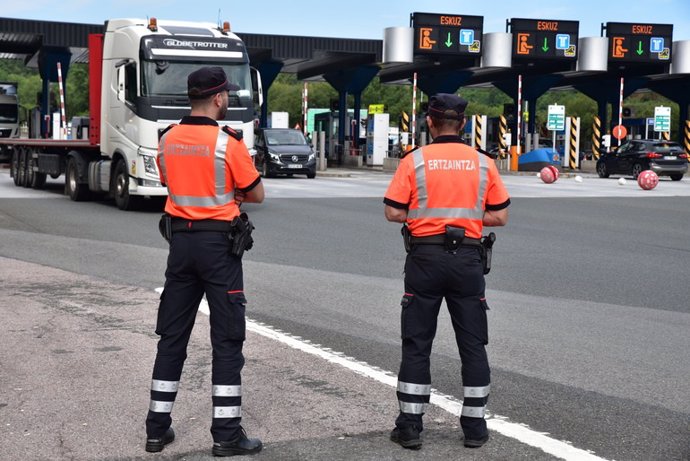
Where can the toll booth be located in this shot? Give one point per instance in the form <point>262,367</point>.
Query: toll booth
<point>327,122</point>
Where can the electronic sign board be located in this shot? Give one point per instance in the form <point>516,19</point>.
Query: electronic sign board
<point>449,34</point>
<point>640,43</point>
<point>535,39</point>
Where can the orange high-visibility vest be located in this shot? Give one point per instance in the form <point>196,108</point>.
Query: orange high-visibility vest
<point>202,165</point>
<point>446,184</point>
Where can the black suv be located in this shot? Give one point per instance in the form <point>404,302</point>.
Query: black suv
<point>665,158</point>
<point>283,151</point>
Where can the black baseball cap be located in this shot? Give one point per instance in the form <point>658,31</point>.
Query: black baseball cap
<point>445,105</point>
<point>207,81</point>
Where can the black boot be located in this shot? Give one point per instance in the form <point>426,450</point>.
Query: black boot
<point>476,443</point>
<point>157,444</point>
<point>240,445</point>
<point>407,437</point>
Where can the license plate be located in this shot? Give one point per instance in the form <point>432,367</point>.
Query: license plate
<point>294,165</point>
<point>670,157</point>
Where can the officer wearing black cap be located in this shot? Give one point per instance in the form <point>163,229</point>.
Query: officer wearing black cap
<point>444,194</point>
<point>208,172</point>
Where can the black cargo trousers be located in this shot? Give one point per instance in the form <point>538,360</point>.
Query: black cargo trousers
<point>431,274</point>
<point>198,263</point>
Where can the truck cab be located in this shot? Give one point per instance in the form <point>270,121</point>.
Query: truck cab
<point>145,65</point>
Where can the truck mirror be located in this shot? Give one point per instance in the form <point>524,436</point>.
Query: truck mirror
<point>257,89</point>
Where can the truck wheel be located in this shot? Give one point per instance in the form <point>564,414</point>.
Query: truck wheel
<point>14,166</point>
<point>120,189</point>
<point>77,192</point>
<point>21,168</point>
<point>38,180</point>
<point>29,166</point>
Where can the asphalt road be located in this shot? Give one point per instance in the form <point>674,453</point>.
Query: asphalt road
<point>589,299</point>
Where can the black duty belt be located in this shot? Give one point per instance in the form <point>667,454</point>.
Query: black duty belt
<point>202,225</point>
<point>439,239</point>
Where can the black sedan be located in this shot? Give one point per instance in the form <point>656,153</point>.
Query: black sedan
<point>665,158</point>
<point>283,151</point>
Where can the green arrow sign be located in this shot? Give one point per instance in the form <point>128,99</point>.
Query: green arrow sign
<point>639,49</point>
<point>545,48</point>
<point>449,42</point>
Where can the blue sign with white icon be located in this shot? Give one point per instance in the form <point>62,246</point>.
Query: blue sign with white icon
<point>656,44</point>
<point>466,36</point>
<point>562,41</point>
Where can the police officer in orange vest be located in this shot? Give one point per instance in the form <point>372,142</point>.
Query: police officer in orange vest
<point>445,193</point>
<point>208,172</point>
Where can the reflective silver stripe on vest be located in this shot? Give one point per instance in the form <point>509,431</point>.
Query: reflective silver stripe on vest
<point>477,392</point>
<point>227,412</point>
<point>157,406</point>
<point>227,391</point>
<point>164,386</point>
<point>414,389</point>
<point>473,412</point>
<point>221,197</point>
<point>423,211</point>
<point>161,157</point>
<point>412,408</point>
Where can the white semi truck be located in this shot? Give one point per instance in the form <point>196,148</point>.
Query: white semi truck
<point>137,87</point>
<point>9,110</point>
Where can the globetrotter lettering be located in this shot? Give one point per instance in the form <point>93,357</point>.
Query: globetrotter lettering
<point>173,42</point>
<point>463,165</point>
<point>184,149</point>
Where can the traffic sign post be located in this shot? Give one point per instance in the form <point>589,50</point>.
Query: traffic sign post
<point>662,119</point>
<point>555,120</point>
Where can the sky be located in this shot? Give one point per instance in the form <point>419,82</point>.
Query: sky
<point>365,19</point>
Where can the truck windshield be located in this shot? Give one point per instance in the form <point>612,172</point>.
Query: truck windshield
<point>169,78</point>
<point>8,113</point>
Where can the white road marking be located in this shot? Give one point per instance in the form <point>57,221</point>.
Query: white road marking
<point>500,424</point>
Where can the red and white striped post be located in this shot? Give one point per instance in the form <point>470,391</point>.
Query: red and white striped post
<point>413,128</point>
<point>620,109</point>
<point>305,105</point>
<point>63,122</point>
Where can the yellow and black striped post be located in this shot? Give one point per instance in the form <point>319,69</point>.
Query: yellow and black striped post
<point>596,137</point>
<point>666,135</point>
<point>686,138</point>
<point>572,158</point>
<point>477,131</point>
<point>404,122</point>
<point>502,128</point>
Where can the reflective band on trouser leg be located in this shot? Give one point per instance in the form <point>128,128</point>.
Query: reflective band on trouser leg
<point>157,406</point>
<point>423,211</point>
<point>473,412</point>
<point>227,412</point>
<point>476,392</point>
<point>414,389</point>
<point>227,391</point>
<point>413,398</point>
<point>412,408</point>
<point>159,385</point>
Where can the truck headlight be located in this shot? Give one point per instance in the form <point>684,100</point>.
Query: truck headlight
<point>150,164</point>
